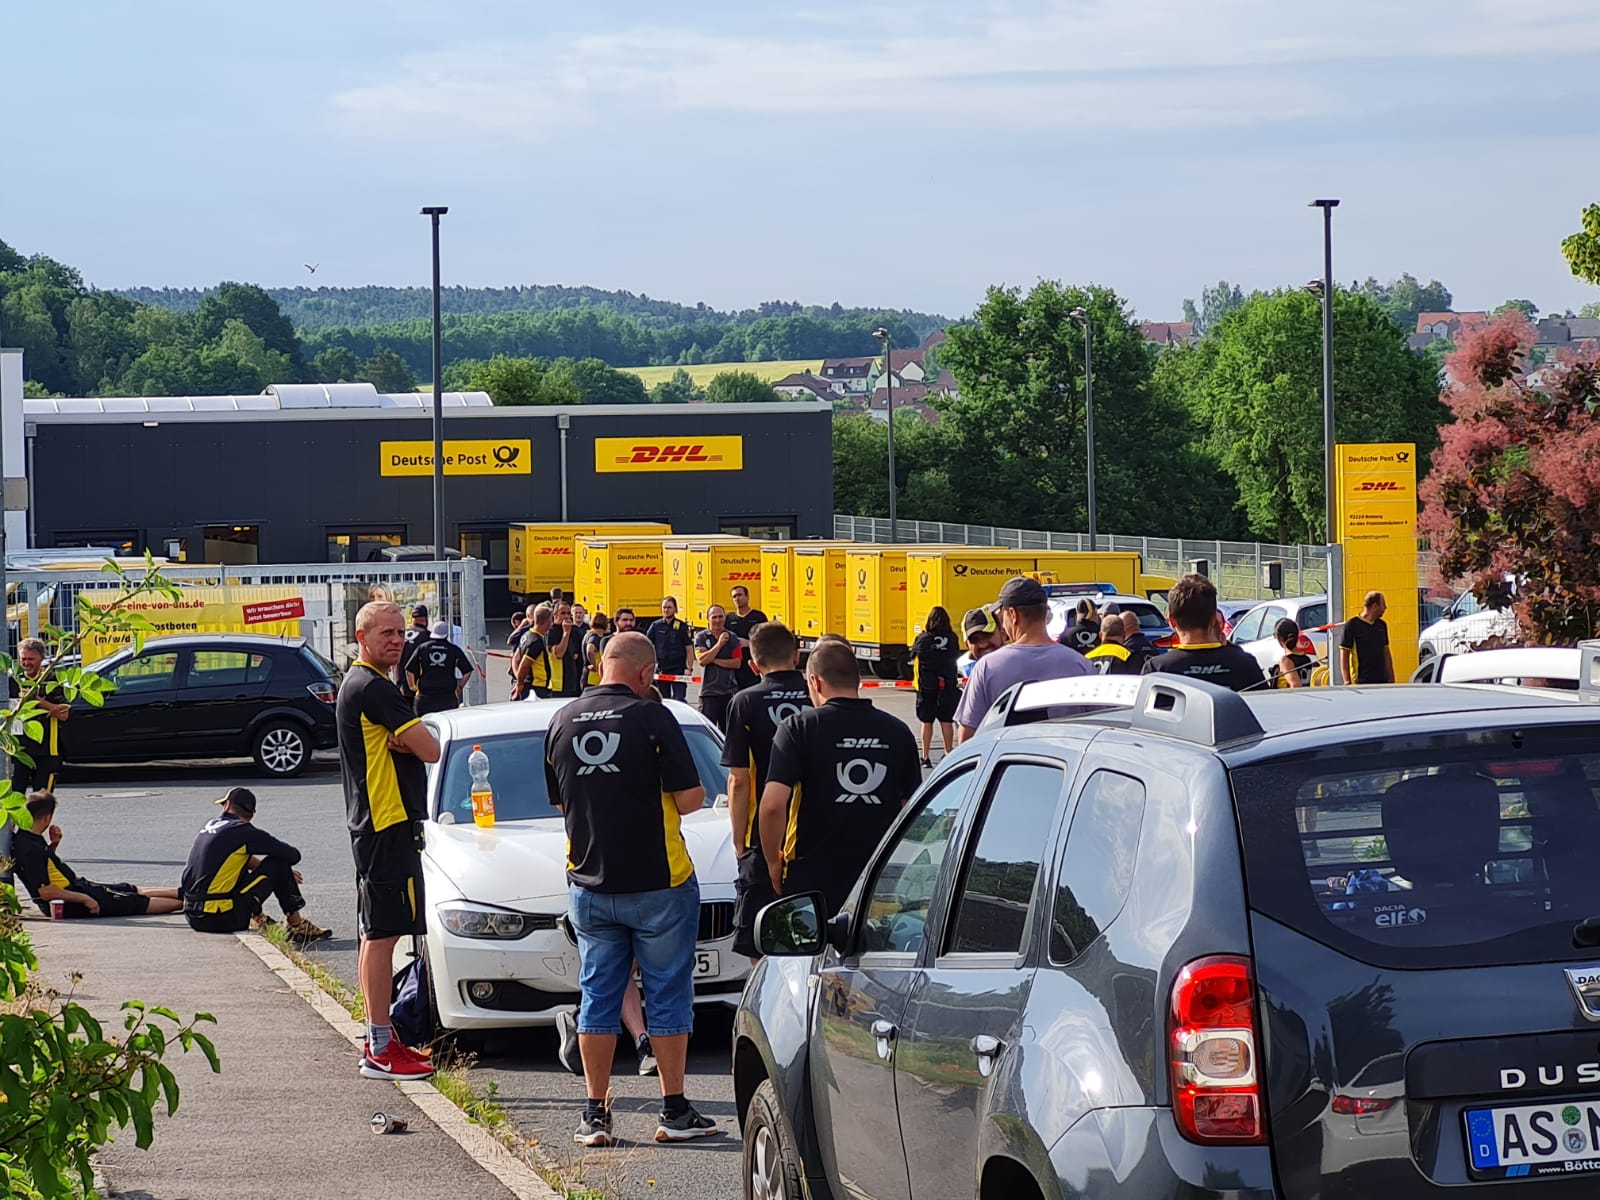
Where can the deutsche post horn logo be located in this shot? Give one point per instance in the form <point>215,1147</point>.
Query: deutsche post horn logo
<point>1403,456</point>
<point>960,568</point>
<point>922,581</point>
<point>861,577</point>
<point>811,574</point>
<point>774,571</point>
<point>506,456</point>
<point>699,568</point>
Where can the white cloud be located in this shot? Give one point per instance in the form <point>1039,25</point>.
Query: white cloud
<point>1084,64</point>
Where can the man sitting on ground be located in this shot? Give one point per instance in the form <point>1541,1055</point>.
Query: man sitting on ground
<point>48,878</point>
<point>234,866</point>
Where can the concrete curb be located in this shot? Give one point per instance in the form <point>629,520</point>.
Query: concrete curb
<point>520,1179</point>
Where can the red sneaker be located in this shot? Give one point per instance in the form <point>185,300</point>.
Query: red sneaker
<point>396,1062</point>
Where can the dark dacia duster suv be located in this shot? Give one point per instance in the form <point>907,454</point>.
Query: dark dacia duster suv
<point>1147,939</point>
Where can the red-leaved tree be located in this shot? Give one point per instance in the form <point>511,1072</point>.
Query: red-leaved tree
<point>1514,492</point>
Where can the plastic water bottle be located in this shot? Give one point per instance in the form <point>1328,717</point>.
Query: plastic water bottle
<point>482,793</point>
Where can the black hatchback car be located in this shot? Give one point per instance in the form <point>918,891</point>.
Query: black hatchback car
<point>1147,939</point>
<point>218,695</point>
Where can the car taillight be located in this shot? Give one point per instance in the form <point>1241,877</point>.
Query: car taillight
<point>1305,646</point>
<point>1216,1096</point>
<point>1361,1106</point>
<point>325,692</point>
<point>1167,642</point>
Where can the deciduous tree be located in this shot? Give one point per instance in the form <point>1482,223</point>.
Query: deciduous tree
<point>740,387</point>
<point>1256,387</point>
<point>1514,493</point>
<point>1583,248</point>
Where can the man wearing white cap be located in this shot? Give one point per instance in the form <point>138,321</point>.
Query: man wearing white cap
<point>437,670</point>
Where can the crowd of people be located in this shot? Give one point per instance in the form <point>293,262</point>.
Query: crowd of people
<point>816,777</point>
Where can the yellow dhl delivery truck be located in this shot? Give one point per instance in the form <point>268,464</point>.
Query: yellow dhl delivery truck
<point>963,578</point>
<point>541,555</point>
<point>875,611</point>
<point>781,574</point>
<point>821,599</point>
<point>715,569</point>
<point>678,569</point>
<point>620,572</point>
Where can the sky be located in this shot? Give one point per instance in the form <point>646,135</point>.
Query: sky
<point>905,154</point>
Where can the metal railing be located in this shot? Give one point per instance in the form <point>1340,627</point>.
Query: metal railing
<point>330,595</point>
<point>1234,566</point>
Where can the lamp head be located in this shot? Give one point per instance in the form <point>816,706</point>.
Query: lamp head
<point>435,210</point>
<point>1078,315</point>
<point>881,334</point>
<point>1323,204</point>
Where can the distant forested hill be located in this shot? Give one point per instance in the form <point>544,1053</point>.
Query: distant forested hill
<point>315,309</point>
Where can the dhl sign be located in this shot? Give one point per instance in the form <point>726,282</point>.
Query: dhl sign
<point>641,570</point>
<point>1377,485</point>
<point>567,550</point>
<point>743,576</point>
<point>621,455</point>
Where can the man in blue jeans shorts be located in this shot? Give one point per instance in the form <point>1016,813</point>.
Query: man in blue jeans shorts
<point>619,768</point>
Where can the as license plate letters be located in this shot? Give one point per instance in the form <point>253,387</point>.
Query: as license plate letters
<point>1533,1140</point>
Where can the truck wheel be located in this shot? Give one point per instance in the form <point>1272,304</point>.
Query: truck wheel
<point>282,749</point>
<point>771,1167</point>
<point>886,668</point>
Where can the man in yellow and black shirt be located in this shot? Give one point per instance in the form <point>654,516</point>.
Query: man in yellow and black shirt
<point>839,774</point>
<point>1111,657</point>
<point>752,722</point>
<point>619,767</point>
<point>382,749</point>
<point>234,866</point>
<point>47,878</point>
<point>533,670</point>
<point>46,752</point>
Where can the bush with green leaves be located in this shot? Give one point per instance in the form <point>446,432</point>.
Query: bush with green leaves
<point>67,1083</point>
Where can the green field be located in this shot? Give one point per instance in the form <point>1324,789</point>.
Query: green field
<point>703,373</point>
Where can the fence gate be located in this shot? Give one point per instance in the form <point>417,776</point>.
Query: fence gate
<point>316,601</point>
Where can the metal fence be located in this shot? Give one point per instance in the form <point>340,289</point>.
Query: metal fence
<point>330,596</point>
<point>1234,566</point>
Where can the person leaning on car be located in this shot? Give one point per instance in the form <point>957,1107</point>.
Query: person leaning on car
<point>754,716</point>
<point>618,767</point>
<point>839,773</point>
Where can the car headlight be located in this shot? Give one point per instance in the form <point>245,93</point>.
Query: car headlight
<point>481,921</point>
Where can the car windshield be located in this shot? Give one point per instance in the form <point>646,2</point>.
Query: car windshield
<point>1451,851</point>
<point>516,773</point>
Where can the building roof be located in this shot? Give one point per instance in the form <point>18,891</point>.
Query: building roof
<point>899,359</point>
<point>849,366</point>
<point>904,393</point>
<point>803,379</point>
<point>1456,321</point>
<point>1167,333</point>
<point>1565,330</point>
<point>937,338</point>
<point>278,397</point>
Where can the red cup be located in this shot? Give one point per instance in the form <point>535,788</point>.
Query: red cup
<point>58,910</point>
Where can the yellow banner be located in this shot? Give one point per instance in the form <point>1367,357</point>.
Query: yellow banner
<point>275,611</point>
<point>1376,487</point>
<point>617,455</point>
<point>484,456</point>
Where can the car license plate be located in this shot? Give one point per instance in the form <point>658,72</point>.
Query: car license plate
<point>707,963</point>
<point>1533,1139</point>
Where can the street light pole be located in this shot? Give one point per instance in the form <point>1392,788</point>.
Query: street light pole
<point>434,213</point>
<point>1082,318</point>
<point>888,371</point>
<point>1329,465</point>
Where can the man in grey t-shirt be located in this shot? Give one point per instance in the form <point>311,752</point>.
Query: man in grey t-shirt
<point>1031,654</point>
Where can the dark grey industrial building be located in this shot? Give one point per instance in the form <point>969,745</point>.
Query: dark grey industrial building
<point>306,473</point>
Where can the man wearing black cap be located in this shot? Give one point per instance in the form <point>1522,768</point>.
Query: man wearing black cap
<point>233,867</point>
<point>1030,654</point>
<point>416,634</point>
<point>983,633</point>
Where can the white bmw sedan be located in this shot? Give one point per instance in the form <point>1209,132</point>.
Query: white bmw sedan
<point>497,946</point>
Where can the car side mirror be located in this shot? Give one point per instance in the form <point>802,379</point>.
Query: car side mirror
<point>792,927</point>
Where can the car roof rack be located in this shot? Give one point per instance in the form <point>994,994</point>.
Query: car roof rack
<point>1189,709</point>
<point>1589,672</point>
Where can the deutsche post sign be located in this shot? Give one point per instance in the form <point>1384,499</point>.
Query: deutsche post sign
<point>1376,488</point>
<point>471,457</point>
<point>617,455</point>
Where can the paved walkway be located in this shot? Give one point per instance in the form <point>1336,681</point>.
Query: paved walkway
<point>288,1117</point>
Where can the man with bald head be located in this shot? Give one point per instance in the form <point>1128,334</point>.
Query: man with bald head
<point>1111,657</point>
<point>1139,649</point>
<point>618,767</point>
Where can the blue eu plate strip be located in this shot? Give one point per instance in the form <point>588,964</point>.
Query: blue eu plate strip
<point>1480,1139</point>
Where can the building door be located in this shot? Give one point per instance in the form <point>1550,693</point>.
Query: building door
<point>234,545</point>
<point>776,529</point>
<point>492,545</point>
<point>361,545</point>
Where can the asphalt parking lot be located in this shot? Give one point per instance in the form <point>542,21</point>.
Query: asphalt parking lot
<point>136,823</point>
